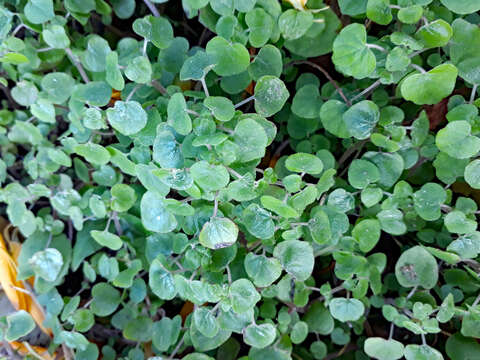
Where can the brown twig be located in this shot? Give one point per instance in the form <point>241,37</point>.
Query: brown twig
<point>326,74</point>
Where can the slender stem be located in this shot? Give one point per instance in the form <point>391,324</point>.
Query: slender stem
<point>327,75</point>
<point>412,292</point>
<point>243,102</point>
<point>192,112</point>
<point>474,93</point>
<point>229,274</point>
<point>144,50</point>
<point>159,87</point>
<point>204,85</point>
<point>179,345</point>
<point>477,301</point>
<point>394,7</point>
<point>17,29</point>
<point>77,64</point>
<point>152,8</point>
<point>424,341</point>
<point>44,49</point>
<point>418,68</point>
<point>367,90</point>
<point>215,205</point>
<point>415,53</point>
<point>392,327</point>
<point>376,47</point>
<point>32,351</point>
<point>134,90</point>
<point>234,173</point>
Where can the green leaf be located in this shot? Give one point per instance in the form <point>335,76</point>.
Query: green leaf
<point>158,30</point>
<point>259,336</point>
<point>58,86</point>
<point>351,54</point>
<point>161,281</point>
<point>178,117</point>
<point>296,258</point>
<point>251,139</point>
<point>260,24</point>
<point>113,75</point>
<point>430,87</point>
<point>345,310</point>
<point>465,7</point>
<point>457,222</point>
<point>221,107</point>
<point>107,239</point>
<point>361,119</point>
<point>258,222</point>
<point>139,70</point>
<point>456,140</point>
<point>294,24</point>
<point>367,234</point>
<point>466,38</point>
<point>128,118</point>
<point>94,57</point>
<point>459,347</point>
<point>19,324</point>
<point>205,322</point>
<point>417,267</point>
<point>154,213</point>
<point>278,207</point>
<point>427,201</point>
<point>267,62</point>
<point>218,233</point>
<point>382,349</point>
<point>56,37</point>
<point>361,173</point>
<point>411,14</point>
<point>197,66</point>
<point>304,163</point>
<point>262,270</point>
<point>105,299</point>
<point>47,264</point>
<point>467,246</point>
<point>44,111</point>
<point>434,34</point>
<point>229,58</point>
<point>166,151</point>
<point>331,115</point>
<point>379,11</point>
<point>270,95</point>
<point>422,352</point>
<point>165,332</point>
<point>243,295</point>
<point>24,93</point>
<point>210,177</point>
<point>39,11</point>
<point>306,102</point>
<point>93,153</point>
<point>123,197</point>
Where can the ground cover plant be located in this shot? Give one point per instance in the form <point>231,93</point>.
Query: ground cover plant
<point>240,179</point>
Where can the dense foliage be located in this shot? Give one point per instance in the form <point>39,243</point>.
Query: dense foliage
<point>255,179</point>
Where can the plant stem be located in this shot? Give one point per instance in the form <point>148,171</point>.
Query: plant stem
<point>243,102</point>
<point>134,90</point>
<point>179,345</point>
<point>327,75</point>
<point>77,64</point>
<point>152,8</point>
<point>418,68</point>
<point>367,90</point>
<point>376,47</point>
<point>159,87</point>
<point>474,93</point>
<point>204,86</point>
